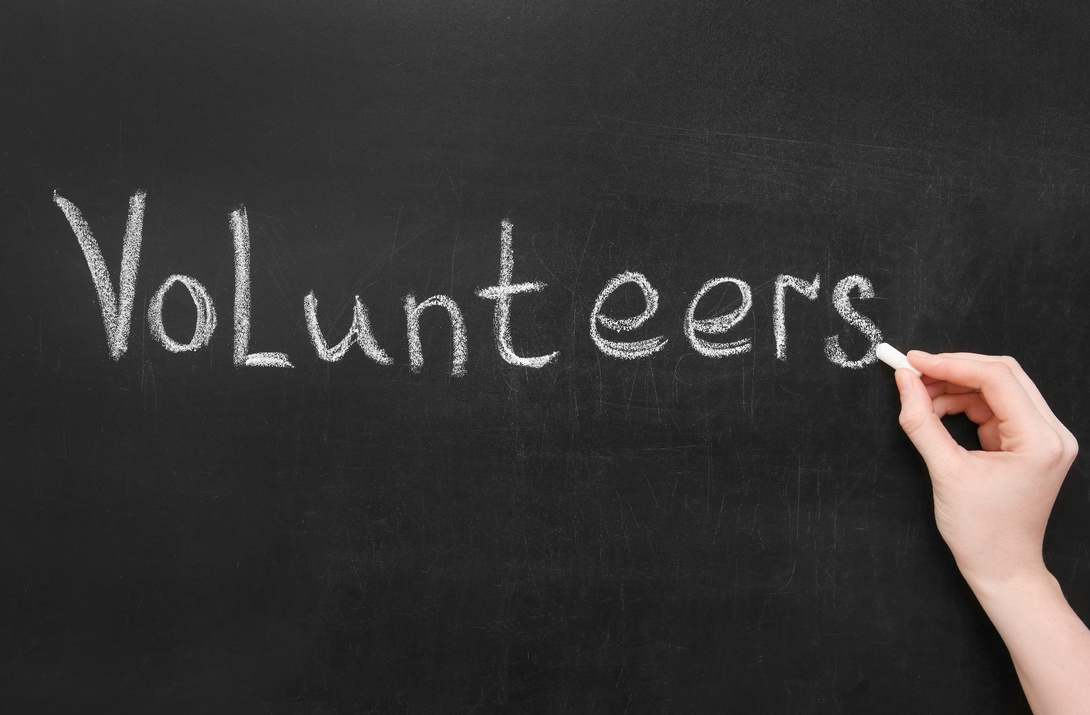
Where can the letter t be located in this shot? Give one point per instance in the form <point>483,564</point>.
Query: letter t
<point>502,294</point>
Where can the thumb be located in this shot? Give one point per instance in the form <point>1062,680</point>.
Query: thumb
<point>921,424</point>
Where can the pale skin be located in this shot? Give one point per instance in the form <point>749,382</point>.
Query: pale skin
<point>992,506</point>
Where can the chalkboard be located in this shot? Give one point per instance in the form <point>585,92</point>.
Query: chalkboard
<point>606,435</point>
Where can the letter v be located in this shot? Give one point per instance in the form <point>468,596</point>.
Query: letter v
<point>116,310</point>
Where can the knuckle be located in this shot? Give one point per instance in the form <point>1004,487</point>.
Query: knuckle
<point>1052,447</point>
<point>910,421</point>
<point>1071,446</point>
<point>999,371</point>
<point>1010,363</point>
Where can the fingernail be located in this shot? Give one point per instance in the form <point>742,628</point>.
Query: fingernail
<point>921,353</point>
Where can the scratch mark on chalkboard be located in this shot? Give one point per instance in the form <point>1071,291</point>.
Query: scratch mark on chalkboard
<point>543,670</point>
<point>476,704</point>
<point>530,570</point>
<point>148,384</point>
<point>133,671</point>
<point>355,571</point>
<point>1075,566</point>
<point>689,507</point>
<point>397,227</point>
<point>87,506</point>
<point>652,490</point>
<point>791,577</point>
<point>544,265</point>
<point>719,519</point>
<point>655,396</point>
<point>632,512</point>
<point>582,259</point>
<point>706,132</point>
<point>453,255</point>
<point>33,643</point>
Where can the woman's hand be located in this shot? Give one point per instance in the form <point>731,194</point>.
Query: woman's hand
<point>992,505</point>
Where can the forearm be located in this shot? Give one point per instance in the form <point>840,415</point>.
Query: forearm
<point>1049,644</point>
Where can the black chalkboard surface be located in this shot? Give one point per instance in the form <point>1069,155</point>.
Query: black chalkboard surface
<point>696,217</point>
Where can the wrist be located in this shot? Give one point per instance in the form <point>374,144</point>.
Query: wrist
<point>1024,585</point>
<point>996,562</point>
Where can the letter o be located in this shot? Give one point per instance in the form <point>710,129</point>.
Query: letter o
<point>206,315</point>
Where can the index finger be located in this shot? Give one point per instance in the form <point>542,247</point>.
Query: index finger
<point>998,384</point>
<point>1030,387</point>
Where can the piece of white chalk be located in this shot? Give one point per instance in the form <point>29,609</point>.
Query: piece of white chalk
<point>894,357</point>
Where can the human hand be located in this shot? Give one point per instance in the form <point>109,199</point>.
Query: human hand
<point>991,505</point>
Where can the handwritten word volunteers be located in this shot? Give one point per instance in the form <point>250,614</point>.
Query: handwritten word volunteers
<point>117,309</point>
